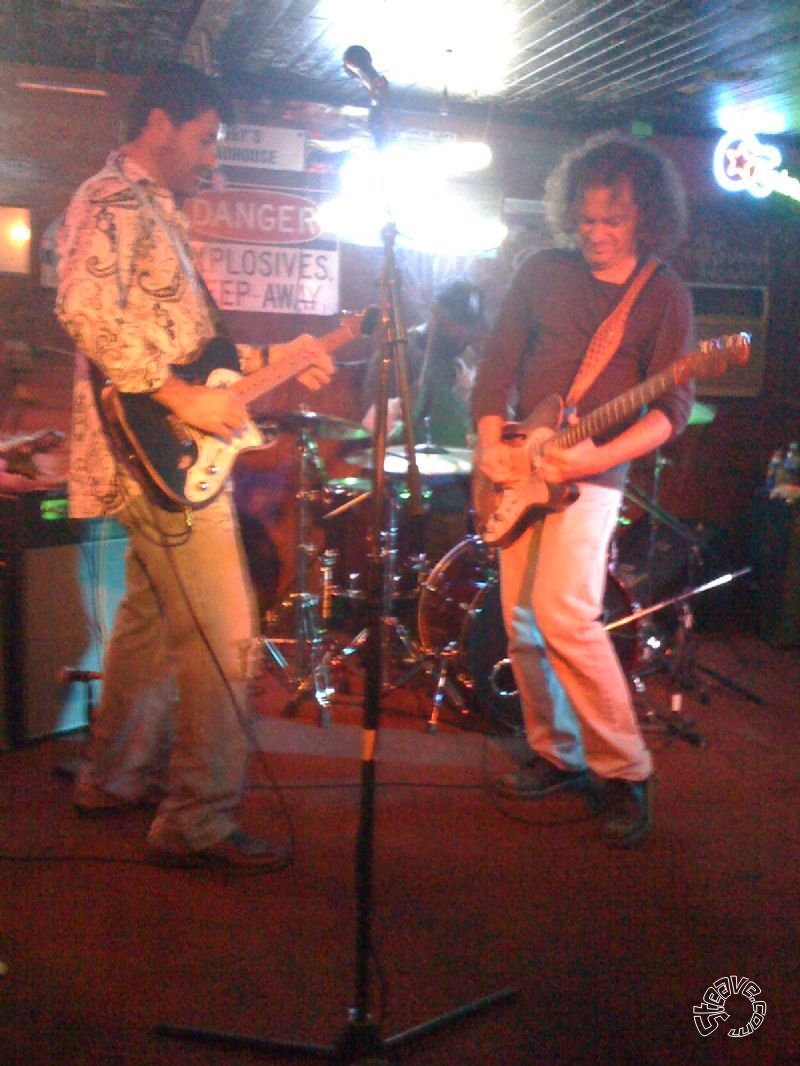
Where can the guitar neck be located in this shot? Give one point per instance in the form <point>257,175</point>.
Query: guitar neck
<point>628,405</point>
<point>43,441</point>
<point>250,387</point>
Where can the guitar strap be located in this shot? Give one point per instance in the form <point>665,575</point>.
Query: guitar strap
<point>608,335</point>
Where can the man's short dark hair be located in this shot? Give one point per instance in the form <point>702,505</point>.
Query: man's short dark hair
<point>604,161</point>
<point>183,92</point>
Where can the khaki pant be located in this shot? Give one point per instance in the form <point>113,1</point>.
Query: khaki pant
<point>576,702</point>
<point>176,675</point>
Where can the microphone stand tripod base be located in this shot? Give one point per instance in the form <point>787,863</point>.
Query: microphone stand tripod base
<point>359,1045</point>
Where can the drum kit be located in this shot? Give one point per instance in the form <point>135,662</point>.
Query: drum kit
<point>316,630</point>
<point>442,619</point>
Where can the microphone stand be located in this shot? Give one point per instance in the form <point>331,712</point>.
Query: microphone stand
<point>361,1041</point>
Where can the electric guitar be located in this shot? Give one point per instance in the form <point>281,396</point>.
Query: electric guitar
<point>180,465</point>
<point>18,452</point>
<point>503,511</point>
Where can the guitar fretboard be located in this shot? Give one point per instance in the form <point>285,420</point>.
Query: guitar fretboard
<point>617,410</point>
<point>712,359</point>
<point>251,386</point>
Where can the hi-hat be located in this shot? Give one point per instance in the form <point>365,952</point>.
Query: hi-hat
<point>432,461</point>
<point>326,427</point>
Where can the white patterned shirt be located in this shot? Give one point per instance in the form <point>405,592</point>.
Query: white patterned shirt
<point>129,296</point>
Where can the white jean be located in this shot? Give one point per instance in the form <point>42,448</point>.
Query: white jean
<point>576,702</point>
<point>183,648</point>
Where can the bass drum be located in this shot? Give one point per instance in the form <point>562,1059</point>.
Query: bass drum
<point>448,593</point>
<point>459,608</point>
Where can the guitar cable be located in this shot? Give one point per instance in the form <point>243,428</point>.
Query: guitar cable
<point>167,542</point>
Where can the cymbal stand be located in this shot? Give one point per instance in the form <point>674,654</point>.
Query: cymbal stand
<point>682,658</point>
<point>308,671</point>
<point>681,661</point>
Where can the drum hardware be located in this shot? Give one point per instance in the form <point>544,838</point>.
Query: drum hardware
<point>676,654</point>
<point>432,461</point>
<point>444,687</point>
<point>323,427</point>
<point>680,661</point>
<point>394,634</point>
<point>306,667</point>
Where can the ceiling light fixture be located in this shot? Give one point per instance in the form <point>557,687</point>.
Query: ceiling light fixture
<point>59,87</point>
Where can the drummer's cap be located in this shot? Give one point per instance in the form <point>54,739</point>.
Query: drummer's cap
<point>462,302</point>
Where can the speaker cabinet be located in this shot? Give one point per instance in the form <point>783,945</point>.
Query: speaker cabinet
<point>60,584</point>
<point>723,309</point>
<point>776,562</point>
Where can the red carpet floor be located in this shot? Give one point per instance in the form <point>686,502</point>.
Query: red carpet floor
<point>607,954</point>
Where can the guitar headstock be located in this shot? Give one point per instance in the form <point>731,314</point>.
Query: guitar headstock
<point>714,356</point>
<point>360,323</point>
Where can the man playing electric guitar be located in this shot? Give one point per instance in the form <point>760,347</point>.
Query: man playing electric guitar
<point>613,204</point>
<point>169,729</point>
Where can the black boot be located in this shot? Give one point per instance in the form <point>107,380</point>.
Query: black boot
<point>629,811</point>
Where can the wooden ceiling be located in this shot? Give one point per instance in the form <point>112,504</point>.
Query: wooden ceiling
<point>668,64</point>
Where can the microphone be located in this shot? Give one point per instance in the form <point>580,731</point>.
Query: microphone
<point>358,63</point>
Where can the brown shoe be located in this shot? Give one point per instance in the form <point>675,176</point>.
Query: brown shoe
<point>238,852</point>
<point>93,802</point>
<point>629,808</point>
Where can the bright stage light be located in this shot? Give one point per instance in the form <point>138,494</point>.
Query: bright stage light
<point>408,182</point>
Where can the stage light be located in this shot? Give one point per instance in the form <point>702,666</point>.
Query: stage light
<point>15,240</point>
<point>399,183</point>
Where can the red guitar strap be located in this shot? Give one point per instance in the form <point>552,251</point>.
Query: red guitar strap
<point>608,336</point>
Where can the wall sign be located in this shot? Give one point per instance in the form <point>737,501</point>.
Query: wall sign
<point>263,250</point>
<point>262,148</point>
<point>742,162</point>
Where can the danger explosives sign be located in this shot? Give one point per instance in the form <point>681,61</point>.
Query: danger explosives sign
<point>261,250</point>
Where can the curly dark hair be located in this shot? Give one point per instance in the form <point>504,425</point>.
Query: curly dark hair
<point>605,160</point>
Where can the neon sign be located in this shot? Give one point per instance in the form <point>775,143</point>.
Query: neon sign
<point>743,163</point>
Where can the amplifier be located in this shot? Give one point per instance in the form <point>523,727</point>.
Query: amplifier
<point>776,564</point>
<point>61,581</point>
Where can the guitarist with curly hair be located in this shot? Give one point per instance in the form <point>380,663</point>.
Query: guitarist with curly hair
<point>615,204</point>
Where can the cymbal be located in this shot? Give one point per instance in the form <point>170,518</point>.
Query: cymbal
<point>432,461</point>
<point>326,427</point>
